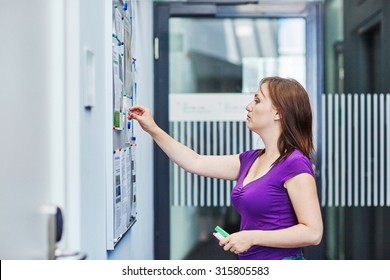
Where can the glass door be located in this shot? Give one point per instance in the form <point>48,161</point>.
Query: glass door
<point>215,66</point>
<point>215,60</point>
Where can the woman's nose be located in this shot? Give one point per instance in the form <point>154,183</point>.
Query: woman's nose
<point>248,108</point>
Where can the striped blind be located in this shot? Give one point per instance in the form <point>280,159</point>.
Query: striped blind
<point>355,150</point>
<point>207,138</point>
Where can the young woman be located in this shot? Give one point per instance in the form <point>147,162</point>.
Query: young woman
<point>275,194</point>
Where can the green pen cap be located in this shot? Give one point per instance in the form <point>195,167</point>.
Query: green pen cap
<point>221,231</point>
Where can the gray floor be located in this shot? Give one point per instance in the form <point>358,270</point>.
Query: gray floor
<point>210,250</point>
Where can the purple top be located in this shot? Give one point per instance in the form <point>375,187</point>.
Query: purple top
<point>264,203</point>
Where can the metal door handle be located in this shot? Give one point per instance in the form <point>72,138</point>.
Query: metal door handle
<point>55,228</point>
<point>63,255</point>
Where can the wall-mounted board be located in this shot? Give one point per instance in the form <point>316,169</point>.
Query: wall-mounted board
<point>121,195</point>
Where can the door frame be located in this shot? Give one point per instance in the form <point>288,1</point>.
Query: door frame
<point>311,11</point>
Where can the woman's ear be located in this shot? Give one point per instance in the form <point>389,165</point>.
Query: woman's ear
<point>277,116</point>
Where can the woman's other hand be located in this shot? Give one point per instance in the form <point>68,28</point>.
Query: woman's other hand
<point>238,242</point>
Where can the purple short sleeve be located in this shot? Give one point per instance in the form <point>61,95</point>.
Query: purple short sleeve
<point>295,164</point>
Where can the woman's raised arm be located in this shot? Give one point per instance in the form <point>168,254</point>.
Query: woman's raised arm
<point>216,166</point>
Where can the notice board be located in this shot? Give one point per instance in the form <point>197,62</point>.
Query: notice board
<point>122,194</point>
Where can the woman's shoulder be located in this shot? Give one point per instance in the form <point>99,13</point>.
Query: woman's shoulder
<point>297,158</point>
<point>294,164</point>
<point>297,154</point>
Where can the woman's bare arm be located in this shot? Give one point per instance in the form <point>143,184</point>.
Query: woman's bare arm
<point>222,167</point>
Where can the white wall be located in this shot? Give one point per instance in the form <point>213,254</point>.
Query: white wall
<point>95,31</point>
<point>92,129</point>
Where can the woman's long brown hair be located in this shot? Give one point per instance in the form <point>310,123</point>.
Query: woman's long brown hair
<point>292,102</point>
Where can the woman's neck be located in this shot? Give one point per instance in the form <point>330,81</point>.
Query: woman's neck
<point>272,153</point>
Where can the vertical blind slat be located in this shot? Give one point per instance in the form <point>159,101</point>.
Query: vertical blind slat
<point>350,145</point>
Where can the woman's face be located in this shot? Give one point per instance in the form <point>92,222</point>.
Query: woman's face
<point>261,113</point>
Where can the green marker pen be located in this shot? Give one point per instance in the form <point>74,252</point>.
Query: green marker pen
<point>220,233</point>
